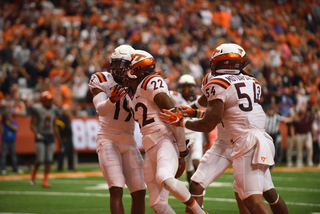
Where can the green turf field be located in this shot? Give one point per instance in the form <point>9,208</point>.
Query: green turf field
<point>85,195</point>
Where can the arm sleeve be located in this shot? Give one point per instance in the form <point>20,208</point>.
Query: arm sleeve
<point>103,104</point>
<point>179,134</point>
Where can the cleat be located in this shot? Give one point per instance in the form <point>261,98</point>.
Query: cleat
<point>46,185</point>
<point>31,182</point>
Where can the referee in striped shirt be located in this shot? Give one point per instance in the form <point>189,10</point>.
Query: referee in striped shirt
<point>272,125</point>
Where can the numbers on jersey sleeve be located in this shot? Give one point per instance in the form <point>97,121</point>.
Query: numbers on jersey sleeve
<point>125,107</point>
<point>256,92</point>
<point>243,95</point>
<point>212,91</point>
<point>145,121</point>
<point>155,87</point>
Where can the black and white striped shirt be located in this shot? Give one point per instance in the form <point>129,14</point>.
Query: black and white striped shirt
<point>272,123</point>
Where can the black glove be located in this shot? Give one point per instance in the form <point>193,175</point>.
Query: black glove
<point>186,152</point>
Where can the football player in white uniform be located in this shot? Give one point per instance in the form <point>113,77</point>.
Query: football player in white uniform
<point>231,103</point>
<point>147,95</point>
<point>218,159</point>
<point>185,96</point>
<point>119,157</point>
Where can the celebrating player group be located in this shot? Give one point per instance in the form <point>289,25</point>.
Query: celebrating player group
<point>173,123</point>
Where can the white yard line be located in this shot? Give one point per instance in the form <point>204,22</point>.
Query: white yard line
<point>127,196</point>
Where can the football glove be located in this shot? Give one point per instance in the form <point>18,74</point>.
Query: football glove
<point>172,118</point>
<point>186,152</point>
<point>116,93</point>
<point>190,112</point>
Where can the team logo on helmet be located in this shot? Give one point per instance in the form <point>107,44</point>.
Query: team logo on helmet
<point>142,63</point>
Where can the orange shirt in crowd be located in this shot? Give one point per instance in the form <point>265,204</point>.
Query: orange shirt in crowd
<point>95,18</point>
<point>216,16</point>
<point>225,18</point>
<point>50,55</point>
<point>1,95</point>
<point>293,39</point>
<point>54,90</point>
<point>255,58</point>
<point>56,73</point>
<point>234,36</point>
<point>135,37</point>
<point>66,95</point>
<point>17,30</point>
<point>7,35</point>
<point>312,90</point>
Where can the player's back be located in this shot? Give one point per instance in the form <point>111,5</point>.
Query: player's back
<point>242,112</point>
<point>119,120</point>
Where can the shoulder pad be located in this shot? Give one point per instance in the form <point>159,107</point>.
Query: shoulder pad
<point>220,81</point>
<point>147,80</point>
<point>98,79</point>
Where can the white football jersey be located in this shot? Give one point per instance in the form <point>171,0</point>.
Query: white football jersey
<point>118,124</point>
<point>240,94</point>
<point>146,112</point>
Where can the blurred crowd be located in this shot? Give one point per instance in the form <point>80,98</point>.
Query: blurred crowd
<point>57,45</point>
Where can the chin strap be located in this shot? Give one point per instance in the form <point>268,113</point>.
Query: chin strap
<point>130,75</point>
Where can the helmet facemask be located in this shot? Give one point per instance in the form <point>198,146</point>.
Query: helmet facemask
<point>187,91</point>
<point>118,69</point>
<point>120,61</point>
<point>187,86</point>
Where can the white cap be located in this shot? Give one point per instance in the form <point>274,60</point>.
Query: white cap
<point>187,79</point>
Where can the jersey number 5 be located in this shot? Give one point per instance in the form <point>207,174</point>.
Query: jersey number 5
<point>242,95</point>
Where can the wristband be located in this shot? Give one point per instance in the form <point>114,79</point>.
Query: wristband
<point>184,153</point>
<point>200,113</point>
<point>184,122</point>
<point>109,103</point>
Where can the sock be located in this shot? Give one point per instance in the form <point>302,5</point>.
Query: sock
<point>195,207</point>
<point>45,178</point>
<point>33,173</point>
